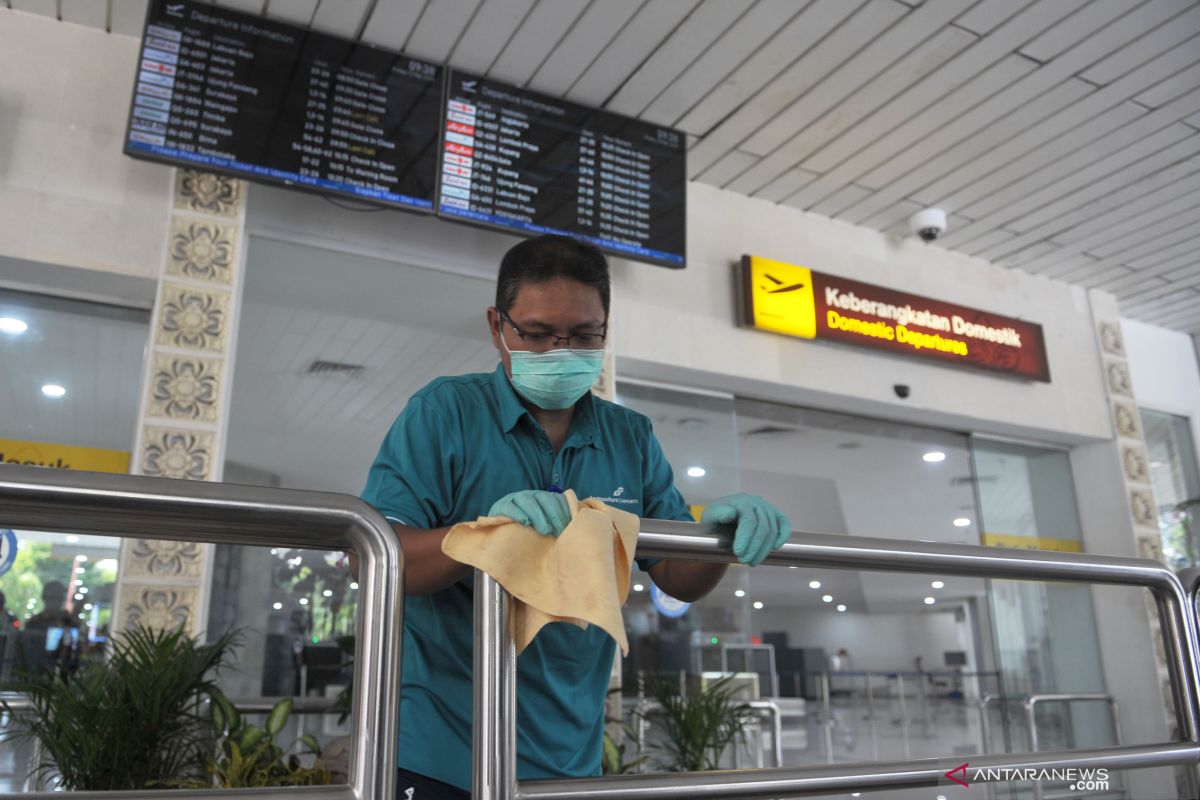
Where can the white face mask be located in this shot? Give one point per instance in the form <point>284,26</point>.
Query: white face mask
<point>556,379</point>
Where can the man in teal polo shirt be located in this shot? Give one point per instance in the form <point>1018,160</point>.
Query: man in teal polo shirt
<point>508,443</point>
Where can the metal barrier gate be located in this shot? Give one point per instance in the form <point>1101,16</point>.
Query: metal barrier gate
<point>160,508</point>
<point>494,775</point>
<point>93,503</point>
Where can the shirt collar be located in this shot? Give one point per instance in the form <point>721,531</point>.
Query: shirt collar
<point>584,430</point>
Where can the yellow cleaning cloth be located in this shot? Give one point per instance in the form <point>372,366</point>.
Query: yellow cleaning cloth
<point>580,577</point>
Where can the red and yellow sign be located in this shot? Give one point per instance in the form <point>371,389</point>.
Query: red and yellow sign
<point>797,301</point>
<point>63,456</point>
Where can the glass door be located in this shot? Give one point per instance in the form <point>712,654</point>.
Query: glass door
<point>1044,633</point>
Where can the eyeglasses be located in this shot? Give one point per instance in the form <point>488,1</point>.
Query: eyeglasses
<point>538,340</point>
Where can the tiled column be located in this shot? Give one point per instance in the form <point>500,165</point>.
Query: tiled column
<point>1138,491</point>
<point>183,409</point>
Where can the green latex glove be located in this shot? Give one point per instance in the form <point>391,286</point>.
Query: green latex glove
<point>545,512</point>
<point>761,527</point>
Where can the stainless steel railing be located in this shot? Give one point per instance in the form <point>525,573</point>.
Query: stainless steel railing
<point>1030,705</point>
<point>494,768</point>
<point>156,508</point>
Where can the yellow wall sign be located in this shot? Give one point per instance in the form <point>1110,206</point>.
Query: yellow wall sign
<point>1032,542</point>
<point>779,297</point>
<point>792,300</point>
<point>63,456</point>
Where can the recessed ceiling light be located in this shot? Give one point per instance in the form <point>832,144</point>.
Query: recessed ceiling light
<point>841,607</point>
<point>277,606</point>
<point>637,587</point>
<point>78,596</point>
<point>697,472</point>
<point>938,584</point>
<point>758,604</point>
<point>740,593</point>
<point>303,601</point>
<point>13,326</point>
<point>934,456</point>
<point>828,598</point>
<point>81,557</point>
<point>327,593</point>
<point>353,586</point>
<point>962,522</point>
<point>930,601</point>
<point>53,390</point>
<point>72,539</point>
<point>814,584</point>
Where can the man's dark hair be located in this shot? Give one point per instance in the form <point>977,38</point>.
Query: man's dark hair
<point>548,257</point>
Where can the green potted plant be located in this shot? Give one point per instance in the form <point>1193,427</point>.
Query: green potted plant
<point>700,725</point>
<point>247,755</point>
<point>130,722</point>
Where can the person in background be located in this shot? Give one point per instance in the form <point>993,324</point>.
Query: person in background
<point>508,443</point>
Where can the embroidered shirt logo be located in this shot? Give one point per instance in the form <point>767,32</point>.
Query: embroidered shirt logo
<point>620,491</point>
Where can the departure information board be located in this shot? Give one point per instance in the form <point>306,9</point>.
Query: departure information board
<point>528,162</point>
<point>261,100</point>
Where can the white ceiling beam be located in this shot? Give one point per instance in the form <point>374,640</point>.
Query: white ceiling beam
<point>1098,182</point>
<point>439,29</point>
<point>391,22</point>
<point>345,18</point>
<point>646,33</point>
<point>732,164</point>
<point>295,12</point>
<point>786,185</point>
<point>490,30</point>
<point>936,155</point>
<point>671,87</point>
<point>909,50</point>
<point>1112,198</point>
<point>988,67</point>
<point>546,24</point>
<point>764,83</point>
<point>1097,124</point>
<point>582,45</point>
<point>1156,216</point>
<point>966,178</point>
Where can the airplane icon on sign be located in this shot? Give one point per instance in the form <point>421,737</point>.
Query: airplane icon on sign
<point>779,284</point>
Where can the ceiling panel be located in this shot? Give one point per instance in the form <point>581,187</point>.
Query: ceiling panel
<point>588,37</point>
<point>762,76</point>
<point>1085,191</point>
<point>390,22</point>
<point>640,39</point>
<point>525,50</point>
<point>487,33</point>
<point>720,50</point>
<point>1061,136</point>
<point>297,12</point>
<point>439,28</point>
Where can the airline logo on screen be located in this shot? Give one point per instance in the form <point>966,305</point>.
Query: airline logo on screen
<point>797,301</point>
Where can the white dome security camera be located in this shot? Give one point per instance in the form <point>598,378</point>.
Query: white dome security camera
<point>928,223</point>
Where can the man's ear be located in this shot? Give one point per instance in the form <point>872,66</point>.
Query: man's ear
<point>493,318</point>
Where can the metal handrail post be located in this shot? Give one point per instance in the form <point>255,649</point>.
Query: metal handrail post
<point>661,539</point>
<point>900,689</point>
<point>1031,702</point>
<point>494,734</point>
<point>161,508</point>
<point>827,717</point>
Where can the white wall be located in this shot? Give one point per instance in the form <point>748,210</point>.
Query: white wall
<point>67,194</point>
<point>875,641</point>
<point>1165,371</point>
<point>680,325</point>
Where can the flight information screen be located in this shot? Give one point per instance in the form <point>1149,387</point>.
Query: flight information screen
<point>528,162</point>
<point>227,92</point>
